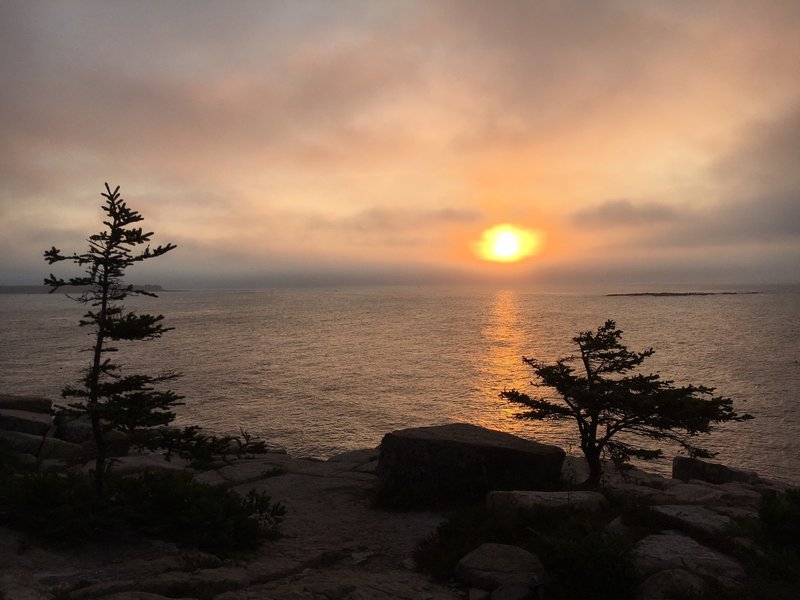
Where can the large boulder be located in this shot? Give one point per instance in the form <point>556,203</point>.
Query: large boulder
<point>431,466</point>
<point>685,468</point>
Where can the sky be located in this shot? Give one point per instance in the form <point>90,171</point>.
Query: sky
<point>334,142</point>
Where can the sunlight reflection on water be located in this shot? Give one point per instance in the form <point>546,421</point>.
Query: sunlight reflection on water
<point>321,371</point>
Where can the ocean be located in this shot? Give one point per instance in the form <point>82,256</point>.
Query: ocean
<point>321,371</point>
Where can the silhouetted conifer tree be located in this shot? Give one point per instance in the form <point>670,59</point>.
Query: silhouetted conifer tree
<point>605,399</point>
<point>111,399</point>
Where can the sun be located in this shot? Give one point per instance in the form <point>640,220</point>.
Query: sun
<point>508,243</point>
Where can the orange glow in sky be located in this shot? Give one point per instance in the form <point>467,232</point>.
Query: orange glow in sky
<point>319,143</point>
<point>508,243</point>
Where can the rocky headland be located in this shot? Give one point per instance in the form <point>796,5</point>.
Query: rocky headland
<point>338,543</point>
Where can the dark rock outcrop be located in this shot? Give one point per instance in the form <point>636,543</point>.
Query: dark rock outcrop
<point>434,466</point>
<point>29,403</point>
<point>685,468</point>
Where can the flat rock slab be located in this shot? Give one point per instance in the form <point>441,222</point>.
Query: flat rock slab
<point>28,403</point>
<point>43,448</point>
<point>35,423</point>
<point>695,517</point>
<point>512,502</point>
<point>670,550</point>
<point>491,566</point>
<point>433,466</point>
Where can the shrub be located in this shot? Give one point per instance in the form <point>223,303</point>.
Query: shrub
<point>780,518</point>
<point>213,518</point>
<point>170,506</point>
<point>57,507</point>
<point>582,560</point>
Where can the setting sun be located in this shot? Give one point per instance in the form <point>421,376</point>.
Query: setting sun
<point>507,243</point>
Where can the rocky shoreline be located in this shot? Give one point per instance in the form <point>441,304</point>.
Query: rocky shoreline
<point>337,544</point>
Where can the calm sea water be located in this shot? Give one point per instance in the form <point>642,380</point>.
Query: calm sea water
<point>322,371</point>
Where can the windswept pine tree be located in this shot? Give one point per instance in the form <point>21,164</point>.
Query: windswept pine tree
<point>110,398</point>
<point>612,404</point>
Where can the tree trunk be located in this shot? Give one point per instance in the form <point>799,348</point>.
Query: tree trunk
<point>595,468</point>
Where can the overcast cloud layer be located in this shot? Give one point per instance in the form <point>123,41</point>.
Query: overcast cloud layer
<point>285,142</point>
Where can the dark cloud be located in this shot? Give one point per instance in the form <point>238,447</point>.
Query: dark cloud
<point>623,213</point>
<point>761,180</point>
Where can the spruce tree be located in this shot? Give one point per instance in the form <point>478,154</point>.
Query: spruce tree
<point>110,398</point>
<point>612,404</point>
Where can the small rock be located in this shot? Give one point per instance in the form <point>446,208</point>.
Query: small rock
<point>670,584</point>
<point>491,565</point>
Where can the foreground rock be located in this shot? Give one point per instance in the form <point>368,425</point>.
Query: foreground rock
<point>491,566</point>
<point>433,466</point>
<point>671,550</point>
<point>336,544</point>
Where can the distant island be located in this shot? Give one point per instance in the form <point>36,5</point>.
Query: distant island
<point>44,289</point>
<point>685,294</point>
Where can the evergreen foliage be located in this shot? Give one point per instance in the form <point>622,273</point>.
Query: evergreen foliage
<point>605,397</point>
<point>111,399</point>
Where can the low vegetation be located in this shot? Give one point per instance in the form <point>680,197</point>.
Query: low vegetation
<point>65,508</point>
<point>581,559</point>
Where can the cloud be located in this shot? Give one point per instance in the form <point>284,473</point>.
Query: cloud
<point>384,226</point>
<point>311,132</point>
<point>624,213</point>
<point>761,179</point>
